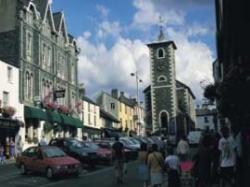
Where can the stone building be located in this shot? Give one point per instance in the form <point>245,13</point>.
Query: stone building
<point>36,40</point>
<point>167,117</point>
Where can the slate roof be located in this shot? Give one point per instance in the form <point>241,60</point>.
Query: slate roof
<point>57,19</point>
<point>180,84</point>
<point>108,116</point>
<point>84,98</point>
<point>41,6</point>
<point>162,42</point>
<point>127,101</point>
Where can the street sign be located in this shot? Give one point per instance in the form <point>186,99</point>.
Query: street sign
<point>59,93</point>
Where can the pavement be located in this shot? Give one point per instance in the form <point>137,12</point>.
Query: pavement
<point>101,177</point>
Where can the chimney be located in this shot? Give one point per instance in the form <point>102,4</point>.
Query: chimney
<point>122,93</point>
<point>114,93</point>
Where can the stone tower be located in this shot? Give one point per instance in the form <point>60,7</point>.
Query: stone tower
<point>163,85</point>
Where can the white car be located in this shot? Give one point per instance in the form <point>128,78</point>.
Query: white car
<point>194,137</point>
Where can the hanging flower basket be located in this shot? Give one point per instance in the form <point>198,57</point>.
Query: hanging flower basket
<point>63,109</point>
<point>8,111</point>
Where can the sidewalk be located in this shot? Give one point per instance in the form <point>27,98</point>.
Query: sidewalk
<point>7,162</point>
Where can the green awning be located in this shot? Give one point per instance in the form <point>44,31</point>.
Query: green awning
<point>35,113</point>
<point>54,117</point>
<point>74,122</point>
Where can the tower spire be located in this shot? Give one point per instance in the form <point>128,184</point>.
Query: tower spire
<point>161,35</point>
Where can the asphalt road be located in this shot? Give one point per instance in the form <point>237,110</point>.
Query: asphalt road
<point>102,177</point>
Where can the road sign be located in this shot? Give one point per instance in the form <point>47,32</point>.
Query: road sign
<point>59,93</point>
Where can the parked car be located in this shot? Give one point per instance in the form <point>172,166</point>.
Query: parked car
<point>104,154</point>
<point>129,154</point>
<point>77,149</point>
<point>49,160</point>
<point>194,137</point>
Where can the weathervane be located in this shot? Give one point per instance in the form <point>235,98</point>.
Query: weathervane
<point>161,36</point>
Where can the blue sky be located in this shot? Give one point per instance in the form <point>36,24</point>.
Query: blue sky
<point>112,35</point>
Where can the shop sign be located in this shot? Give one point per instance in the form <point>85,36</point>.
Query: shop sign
<point>59,94</point>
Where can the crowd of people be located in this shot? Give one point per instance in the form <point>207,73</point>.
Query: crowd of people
<point>213,164</point>
<point>7,150</point>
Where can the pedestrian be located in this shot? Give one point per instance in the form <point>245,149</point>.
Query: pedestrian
<point>2,157</point>
<point>215,158</point>
<point>7,148</point>
<point>118,156</point>
<point>227,147</point>
<point>183,149</point>
<point>43,141</point>
<point>143,170</point>
<point>204,162</point>
<point>12,148</point>
<point>156,165</point>
<point>172,164</point>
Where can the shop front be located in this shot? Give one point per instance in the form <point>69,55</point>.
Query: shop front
<point>50,124</point>
<point>9,129</point>
<point>91,133</point>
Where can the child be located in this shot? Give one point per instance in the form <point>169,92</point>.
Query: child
<point>1,154</point>
<point>173,165</point>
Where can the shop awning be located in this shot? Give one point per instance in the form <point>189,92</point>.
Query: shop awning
<point>74,122</point>
<point>35,113</point>
<point>54,117</point>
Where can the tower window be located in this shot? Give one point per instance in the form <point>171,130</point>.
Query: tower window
<point>160,53</point>
<point>162,79</point>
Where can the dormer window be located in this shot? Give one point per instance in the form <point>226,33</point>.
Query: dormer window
<point>160,53</point>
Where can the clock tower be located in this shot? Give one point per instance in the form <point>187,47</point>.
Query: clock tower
<point>163,85</point>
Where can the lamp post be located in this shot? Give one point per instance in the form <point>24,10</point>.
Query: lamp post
<point>138,80</point>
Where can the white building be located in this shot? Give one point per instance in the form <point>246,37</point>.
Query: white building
<point>207,118</point>
<point>11,127</point>
<point>91,118</point>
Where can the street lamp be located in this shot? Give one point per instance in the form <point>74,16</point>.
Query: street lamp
<point>138,80</point>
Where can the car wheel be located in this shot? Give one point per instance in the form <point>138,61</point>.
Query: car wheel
<point>23,169</point>
<point>49,173</point>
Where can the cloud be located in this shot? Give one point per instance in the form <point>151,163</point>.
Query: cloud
<point>148,14</point>
<point>104,11</point>
<point>107,28</point>
<point>101,68</point>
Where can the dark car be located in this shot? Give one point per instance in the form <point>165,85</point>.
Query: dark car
<point>104,154</point>
<point>77,149</point>
<point>49,160</point>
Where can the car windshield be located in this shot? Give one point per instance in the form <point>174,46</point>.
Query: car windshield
<point>134,141</point>
<point>91,145</point>
<point>126,141</point>
<point>75,144</point>
<point>53,152</point>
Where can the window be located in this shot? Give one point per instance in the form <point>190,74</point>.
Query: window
<point>5,98</point>
<point>206,119</point>
<point>160,53</point>
<point>43,56</point>
<point>162,78</point>
<point>88,107</point>
<point>73,73</point>
<point>28,44</point>
<point>89,119</point>
<point>112,106</point>
<point>9,74</point>
<point>94,120</point>
<point>29,86</point>
<point>120,107</point>
<point>125,109</point>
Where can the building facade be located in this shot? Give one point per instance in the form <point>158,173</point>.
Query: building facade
<point>35,40</point>
<point>91,118</point>
<point>12,118</point>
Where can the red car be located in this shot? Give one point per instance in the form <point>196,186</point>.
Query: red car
<point>49,160</point>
